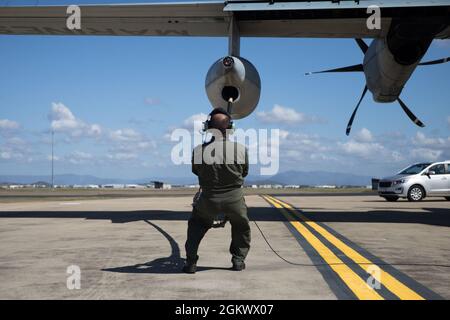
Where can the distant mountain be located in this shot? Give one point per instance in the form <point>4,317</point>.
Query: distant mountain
<point>58,179</point>
<point>312,178</point>
<point>315,178</point>
<point>72,179</point>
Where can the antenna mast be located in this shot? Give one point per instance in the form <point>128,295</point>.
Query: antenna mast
<point>53,141</point>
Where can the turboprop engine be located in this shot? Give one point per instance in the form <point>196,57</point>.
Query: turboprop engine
<point>236,80</point>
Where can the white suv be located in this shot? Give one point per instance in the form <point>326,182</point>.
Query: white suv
<point>417,182</point>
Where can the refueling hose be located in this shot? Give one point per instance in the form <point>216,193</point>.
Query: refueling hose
<point>351,263</point>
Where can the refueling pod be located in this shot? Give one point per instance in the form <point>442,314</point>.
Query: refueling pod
<point>235,78</point>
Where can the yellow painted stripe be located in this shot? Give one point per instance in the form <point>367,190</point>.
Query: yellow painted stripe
<point>358,286</point>
<point>390,282</point>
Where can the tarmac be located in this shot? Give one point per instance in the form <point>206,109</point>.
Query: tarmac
<point>321,247</point>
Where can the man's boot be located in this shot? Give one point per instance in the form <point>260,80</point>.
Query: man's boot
<point>190,266</point>
<point>238,266</point>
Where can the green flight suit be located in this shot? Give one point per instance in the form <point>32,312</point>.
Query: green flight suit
<point>221,166</point>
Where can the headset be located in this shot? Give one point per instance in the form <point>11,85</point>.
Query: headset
<point>207,123</point>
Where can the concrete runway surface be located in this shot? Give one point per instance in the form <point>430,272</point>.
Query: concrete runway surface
<point>339,247</point>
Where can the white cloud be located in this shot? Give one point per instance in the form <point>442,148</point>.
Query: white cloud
<point>190,123</point>
<point>15,148</point>
<point>123,144</point>
<point>362,149</point>
<point>78,157</point>
<point>430,148</point>
<point>284,115</point>
<point>364,135</point>
<point>194,119</point>
<point>118,145</point>
<point>55,158</point>
<point>152,101</point>
<point>16,141</point>
<point>365,146</point>
<point>146,144</point>
<point>122,156</point>
<point>321,157</point>
<point>6,124</point>
<point>63,120</point>
<point>124,135</point>
<point>426,154</point>
<point>284,134</point>
<point>298,148</point>
<point>6,155</point>
<point>94,130</point>
<point>391,150</point>
<point>304,142</point>
<point>397,156</point>
<point>121,141</point>
<point>129,141</point>
<point>421,139</point>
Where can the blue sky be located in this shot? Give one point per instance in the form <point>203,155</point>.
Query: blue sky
<point>124,94</point>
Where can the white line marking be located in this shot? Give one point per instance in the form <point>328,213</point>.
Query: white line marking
<point>69,203</point>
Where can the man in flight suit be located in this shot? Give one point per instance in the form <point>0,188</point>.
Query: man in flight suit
<point>221,166</point>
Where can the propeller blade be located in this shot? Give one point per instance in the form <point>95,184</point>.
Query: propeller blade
<point>362,45</point>
<point>354,68</point>
<point>410,114</point>
<point>350,122</point>
<point>427,63</point>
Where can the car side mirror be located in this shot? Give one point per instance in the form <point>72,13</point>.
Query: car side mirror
<point>430,173</point>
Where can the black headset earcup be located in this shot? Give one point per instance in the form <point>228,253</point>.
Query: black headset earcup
<point>207,124</point>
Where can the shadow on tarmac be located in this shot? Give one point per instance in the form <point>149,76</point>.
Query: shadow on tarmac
<point>167,265</point>
<point>174,263</point>
<point>431,216</point>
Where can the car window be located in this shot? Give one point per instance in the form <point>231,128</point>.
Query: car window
<point>448,168</point>
<point>438,169</point>
<point>415,169</point>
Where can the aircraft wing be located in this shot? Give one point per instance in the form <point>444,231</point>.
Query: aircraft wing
<point>314,18</point>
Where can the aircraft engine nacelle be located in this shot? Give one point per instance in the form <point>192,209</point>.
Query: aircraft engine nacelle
<point>236,78</point>
<point>385,76</point>
<point>389,62</point>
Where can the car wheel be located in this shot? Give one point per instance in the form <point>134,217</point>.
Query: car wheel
<point>391,199</point>
<point>447,198</point>
<point>416,193</point>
